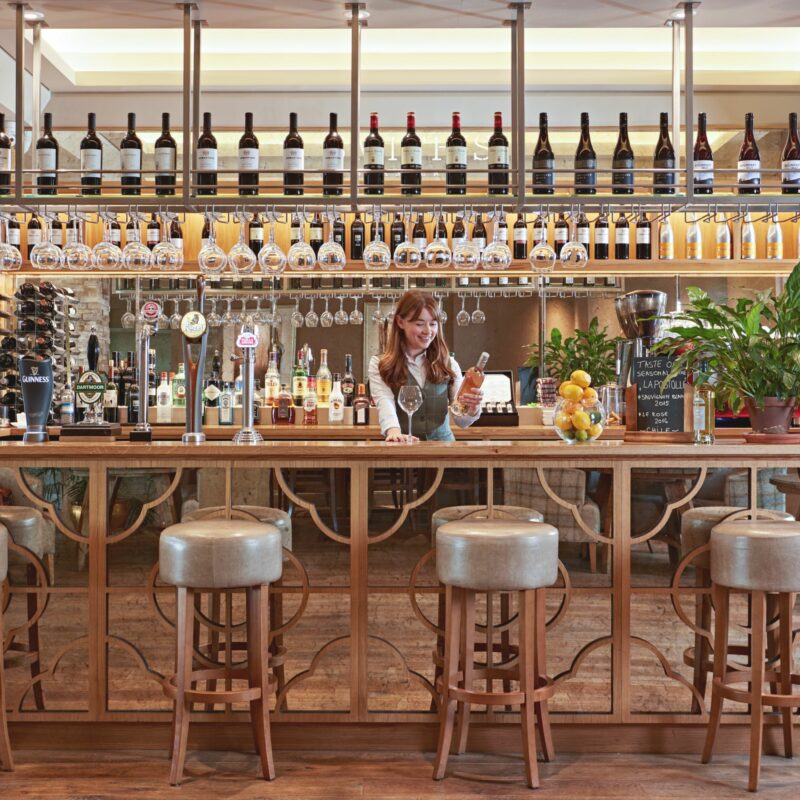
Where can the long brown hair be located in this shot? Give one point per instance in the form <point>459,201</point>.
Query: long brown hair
<point>392,365</point>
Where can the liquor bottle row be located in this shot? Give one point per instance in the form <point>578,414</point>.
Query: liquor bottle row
<point>623,169</point>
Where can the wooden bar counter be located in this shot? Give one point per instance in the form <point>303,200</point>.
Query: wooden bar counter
<point>360,595</point>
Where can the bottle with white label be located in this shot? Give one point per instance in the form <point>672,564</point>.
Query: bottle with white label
<point>166,158</point>
<point>790,159</point>
<point>521,237</point>
<point>226,405</point>
<point>5,158</point>
<point>601,230</point>
<point>749,164</point>
<point>248,158</point>
<point>694,238</point>
<point>748,238</point>
<point>622,238</point>
<point>176,234</point>
<point>130,155</point>
<point>91,159</point>
<point>774,238</point>
<point>336,401</point>
<point>333,160</point>
<point>179,388</point>
<point>207,159</point>
<point>34,233</point>
<point>560,233</point>
<point>666,240</point>
<point>374,158</point>
<point>456,159</point>
<point>724,248</point>
<point>411,158</point>
<point>643,240</point>
<point>479,233</point>
<point>163,401</point>
<point>703,159</point>
<point>498,158</point>
<point>293,159</point>
<point>419,235</point>
<point>153,231</point>
<point>13,232</point>
<point>47,159</point>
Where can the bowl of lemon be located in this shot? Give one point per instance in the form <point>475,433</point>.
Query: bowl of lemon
<point>579,415</point>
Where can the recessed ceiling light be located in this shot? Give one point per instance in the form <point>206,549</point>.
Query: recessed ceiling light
<point>33,16</point>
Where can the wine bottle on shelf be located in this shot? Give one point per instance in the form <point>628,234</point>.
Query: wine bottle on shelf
<point>336,401</point>
<point>498,158</point>
<point>666,240</point>
<point>207,159</point>
<point>622,238</point>
<point>520,237</point>
<point>703,159</point>
<point>502,229</point>
<point>153,231</point>
<point>623,160</point>
<point>373,158</point>
<point>601,230</point>
<point>749,165</point>
<point>91,159</point>
<point>419,235</point>
<point>295,228</point>
<point>166,159</point>
<point>255,233</point>
<point>539,234</point>
<point>333,160</point>
<point>459,232</point>
<point>544,161</point>
<point>790,159</point>
<point>748,238</point>
<point>479,233</point>
<point>376,231</point>
<point>582,230</point>
<point>724,249</point>
<point>34,233</point>
<point>73,230</point>
<point>473,379</point>
<point>694,238</point>
<point>585,160</point>
<point>664,159</point>
<point>643,235</point>
<point>411,158</point>
<point>774,238</point>
<point>248,158</point>
<point>130,154</point>
<point>13,232</point>
<point>57,232</point>
<point>397,231</point>
<point>5,158</point>
<point>456,159</point>
<point>560,233</point>
<point>316,233</point>
<point>294,159</point>
<point>338,231</point>
<point>357,233</point>
<point>47,159</point>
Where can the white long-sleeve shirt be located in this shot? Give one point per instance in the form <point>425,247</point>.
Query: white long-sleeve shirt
<point>385,400</point>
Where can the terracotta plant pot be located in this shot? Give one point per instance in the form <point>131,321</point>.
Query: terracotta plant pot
<point>774,417</point>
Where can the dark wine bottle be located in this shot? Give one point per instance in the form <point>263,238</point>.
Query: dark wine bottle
<point>14,232</point>
<point>560,233</point>
<point>295,227</point>
<point>153,231</point>
<point>479,232</point>
<point>582,230</point>
<point>207,159</point>
<point>411,158</point>
<point>456,159</point>
<point>373,158</point>
<point>316,233</point>
<point>643,237</point>
<point>130,154</point>
<point>498,158</point>
<point>420,236</point>
<point>397,232</point>
<point>338,231</point>
<point>248,158</point>
<point>703,159</point>
<point>790,159</point>
<point>34,233</point>
<point>749,166</point>
<point>664,159</point>
<point>114,232</point>
<point>91,159</point>
<point>357,238</point>
<point>544,160</point>
<point>601,237</point>
<point>176,234</point>
<point>520,237</point>
<point>5,158</point>
<point>585,159</point>
<point>47,159</point>
<point>333,160</point>
<point>623,160</point>
<point>375,230</point>
<point>622,238</point>
<point>166,159</point>
<point>293,159</point>
<point>459,232</point>
<point>256,234</point>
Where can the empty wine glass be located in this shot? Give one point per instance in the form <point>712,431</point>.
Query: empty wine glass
<point>275,318</point>
<point>297,317</point>
<point>105,254</point>
<point>271,258</point>
<point>356,317</point>
<point>46,254</point>
<point>175,319</point>
<point>128,319</point>
<point>76,255</point>
<point>326,318</point>
<point>573,253</point>
<point>228,318</point>
<point>211,259</point>
<point>377,314</point>
<point>167,256</point>
<point>260,316</point>
<point>442,313</point>
<point>301,255</point>
<point>163,319</point>
<point>341,317</point>
<point>377,254</point>
<point>463,317</point>
<point>542,257</point>
<point>331,255</point>
<point>407,255</point>
<point>214,320</point>
<point>409,398</point>
<point>136,255</point>
<point>311,318</point>
<point>10,256</point>
<point>437,253</point>
<point>466,255</point>
<point>497,255</point>
<point>478,317</point>
<point>241,258</point>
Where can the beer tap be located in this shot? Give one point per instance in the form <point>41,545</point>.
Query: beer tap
<point>195,332</point>
<point>150,314</point>
<point>247,341</point>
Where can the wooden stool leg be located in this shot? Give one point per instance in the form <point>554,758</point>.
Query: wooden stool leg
<point>702,618</point>
<point>467,665</point>
<point>32,599</point>
<point>757,686</point>
<point>257,643</point>
<point>213,645</point>
<point>441,619</point>
<point>773,642</point>
<point>6,759</point>
<point>447,708</point>
<point>527,683</point>
<point>540,656</point>
<point>505,635</point>
<point>786,604</point>
<point>275,621</point>
<point>721,601</point>
<point>185,618</point>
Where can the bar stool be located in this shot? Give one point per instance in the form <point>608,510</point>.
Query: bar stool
<point>6,760</point>
<point>759,557</point>
<point>490,556</point>
<point>220,555</point>
<point>696,526</point>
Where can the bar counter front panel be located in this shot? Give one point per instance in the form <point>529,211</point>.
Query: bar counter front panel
<point>359,595</point>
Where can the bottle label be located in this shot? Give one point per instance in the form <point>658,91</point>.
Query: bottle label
<point>177,241</point>
<point>699,416</point>
<point>723,249</point>
<point>790,171</point>
<point>749,171</point>
<point>5,159</point>
<point>498,155</point>
<point>256,234</point>
<point>299,386</point>
<point>543,178</point>
<point>456,155</point>
<point>480,241</point>
<point>294,233</point>
<point>561,234</point>
<point>72,235</point>
<point>207,159</point>
<point>165,160</point>
<point>521,234</point>
<point>34,236</point>
<point>583,236</point>
<point>333,159</point>
<point>666,250</point>
<point>748,249</point>
<point>411,156</point>
<point>46,162</point>
<point>110,397</point>
<point>421,242</point>
<point>293,159</point>
<point>248,159</point>
<point>703,171</point>
<point>600,235</point>
<point>642,235</point>
<point>212,393</point>
<point>309,404</point>
<point>91,162</point>
<point>774,249</point>
<point>13,236</point>
<point>459,239</point>
<point>153,235</point>
<point>361,416</point>
<point>131,160</point>
<point>502,235</point>
<point>336,410</point>
<point>694,249</point>
<point>586,178</point>
<point>115,235</point>
<point>622,235</point>
<point>373,156</point>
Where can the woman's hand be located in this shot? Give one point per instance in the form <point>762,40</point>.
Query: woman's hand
<point>396,435</point>
<point>472,400</point>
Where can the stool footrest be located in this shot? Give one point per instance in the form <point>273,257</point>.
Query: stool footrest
<point>464,695</point>
<point>733,650</point>
<point>221,696</point>
<point>729,692</point>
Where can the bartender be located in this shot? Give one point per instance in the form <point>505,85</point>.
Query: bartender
<point>417,354</point>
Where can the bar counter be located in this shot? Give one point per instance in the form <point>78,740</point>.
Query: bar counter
<point>360,594</point>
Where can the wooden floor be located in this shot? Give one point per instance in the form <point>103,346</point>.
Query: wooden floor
<point>407,776</point>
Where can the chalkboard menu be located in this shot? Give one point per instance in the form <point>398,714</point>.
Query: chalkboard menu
<point>656,411</point>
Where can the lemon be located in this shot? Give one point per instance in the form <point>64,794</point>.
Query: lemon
<point>581,436</point>
<point>581,378</point>
<point>581,421</point>
<point>572,392</point>
<point>563,387</point>
<point>589,396</point>
<point>595,430</point>
<point>563,421</point>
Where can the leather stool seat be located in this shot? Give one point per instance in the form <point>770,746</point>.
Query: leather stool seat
<point>3,553</point>
<point>220,554</point>
<point>26,527</point>
<point>497,555</point>
<point>696,525</point>
<point>454,513</point>
<point>756,555</point>
<point>274,516</point>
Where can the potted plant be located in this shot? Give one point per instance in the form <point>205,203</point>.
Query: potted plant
<point>751,350</point>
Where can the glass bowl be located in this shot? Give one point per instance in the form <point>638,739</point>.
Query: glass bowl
<point>577,421</point>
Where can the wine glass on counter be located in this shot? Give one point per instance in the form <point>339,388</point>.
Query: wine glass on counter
<point>271,258</point>
<point>409,398</point>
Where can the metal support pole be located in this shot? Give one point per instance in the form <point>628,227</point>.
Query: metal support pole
<point>519,130</point>
<point>198,27</point>
<point>19,101</point>
<point>542,327</point>
<point>355,98</point>
<point>36,105</point>
<point>676,88</point>
<point>187,100</point>
<point>688,97</point>
<point>512,24</point>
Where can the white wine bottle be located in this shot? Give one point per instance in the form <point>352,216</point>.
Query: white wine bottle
<point>748,238</point>
<point>774,238</point>
<point>694,238</point>
<point>666,240</point>
<point>723,236</point>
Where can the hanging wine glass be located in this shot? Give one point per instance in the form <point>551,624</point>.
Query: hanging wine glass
<point>241,258</point>
<point>542,255</point>
<point>167,256</point>
<point>211,259</point>
<point>175,319</point>
<point>462,318</point>
<point>106,255</point>
<point>276,320</point>
<point>163,319</point>
<point>478,317</point>
<point>214,320</point>
<point>301,255</point>
<point>377,254</point>
<point>260,316</point>
<point>46,254</point>
<point>497,255</point>
<point>239,316</point>
<point>136,255</point>
<point>356,317</point>
<point>573,253</point>
<point>442,313</point>
<point>341,317</point>
<point>228,318</point>
<point>76,255</point>
<point>331,255</point>
<point>437,253</point>
<point>407,255</point>
<point>128,319</point>
<point>271,258</point>
<point>311,318</point>
<point>326,318</point>
<point>466,255</point>
<point>297,317</point>
<point>377,314</point>
<point>10,256</point>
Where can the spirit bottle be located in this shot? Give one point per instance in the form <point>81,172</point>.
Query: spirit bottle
<point>703,414</point>
<point>361,407</point>
<point>179,388</point>
<point>283,410</point>
<point>348,381</point>
<point>225,404</point>
<point>164,401</point>
<point>272,381</point>
<point>336,401</point>
<point>299,380</point>
<point>323,379</point>
<point>473,379</point>
<point>310,403</point>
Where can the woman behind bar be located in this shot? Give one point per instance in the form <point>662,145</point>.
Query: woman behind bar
<point>417,354</point>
